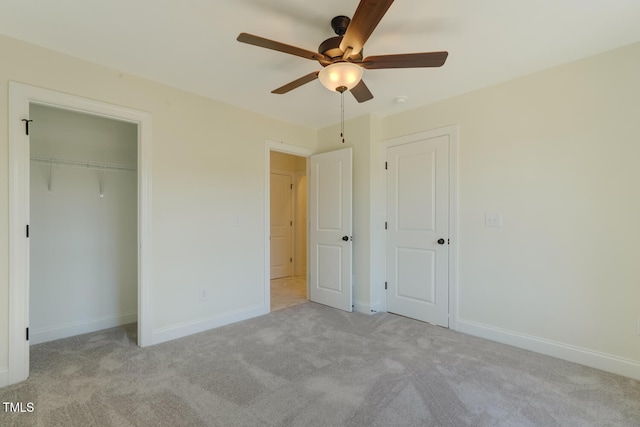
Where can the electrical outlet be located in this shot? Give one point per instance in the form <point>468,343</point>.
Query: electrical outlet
<point>203,294</point>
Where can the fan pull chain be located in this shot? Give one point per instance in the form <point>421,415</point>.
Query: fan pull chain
<point>342,116</point>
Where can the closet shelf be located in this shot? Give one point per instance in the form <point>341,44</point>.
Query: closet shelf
<point>82,164</point>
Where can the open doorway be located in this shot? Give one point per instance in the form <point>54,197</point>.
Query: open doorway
<point>83,219</point>
<point>287,230</point>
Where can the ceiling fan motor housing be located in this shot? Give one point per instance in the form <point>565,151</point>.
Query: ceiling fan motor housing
<point>331,46</point>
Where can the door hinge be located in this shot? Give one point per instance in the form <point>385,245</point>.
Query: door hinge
<point>290,259</point>
<point>385,286</point>
<point>386,166</point>
<point>27,231</point>
<point>27,334</point>
<point>448,241</point>
<point>385,225</point>
<point>292,186</point>
<point>290,222</point>
<point>26,125</point>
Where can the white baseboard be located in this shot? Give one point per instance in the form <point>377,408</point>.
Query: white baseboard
<point>362,307</point>
<point>377,308</point>
<point>365,308</point>
<point>189,328</point>
<point>605,362</point>
<point>4,377</point>
<point>56,332</point>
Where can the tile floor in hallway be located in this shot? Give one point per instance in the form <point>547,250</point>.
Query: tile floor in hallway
<point>288,291</point>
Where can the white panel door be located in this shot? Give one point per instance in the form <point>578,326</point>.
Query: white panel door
<point>330,228</point>
<point>418,230</point>
<point>281,225</point>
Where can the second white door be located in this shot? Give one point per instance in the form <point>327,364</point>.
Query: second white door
<point>418,230</point>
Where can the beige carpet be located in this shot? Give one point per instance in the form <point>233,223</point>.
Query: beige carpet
<point>310,365</point>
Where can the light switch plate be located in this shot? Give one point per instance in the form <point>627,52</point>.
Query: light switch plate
<point>492,219</point>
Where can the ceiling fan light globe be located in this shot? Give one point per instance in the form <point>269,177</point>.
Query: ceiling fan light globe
<point>340,74</point>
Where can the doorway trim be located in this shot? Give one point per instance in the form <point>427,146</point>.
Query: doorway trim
<point>269,146</point>
<point>452,132</point>
<point>297,264</point>
<point>20,96</point>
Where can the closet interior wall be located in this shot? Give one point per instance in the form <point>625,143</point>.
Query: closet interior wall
<point>83,223</point>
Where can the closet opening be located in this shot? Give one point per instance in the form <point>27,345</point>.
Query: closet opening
<point>83,238</point>
<point>55,175</point>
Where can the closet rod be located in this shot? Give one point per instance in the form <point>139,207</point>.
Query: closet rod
<point>81,164</point>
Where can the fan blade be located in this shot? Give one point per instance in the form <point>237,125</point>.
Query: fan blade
<point>406,60</point>
<point>361,92</point>
<point>364,21</point>
<point>296,83</point>
<point>281,47</point>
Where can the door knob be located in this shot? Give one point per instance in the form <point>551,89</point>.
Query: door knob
<point>441,241</point>
<point>345,238</point>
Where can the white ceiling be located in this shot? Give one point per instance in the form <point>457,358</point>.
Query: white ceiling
<point>191,44</point>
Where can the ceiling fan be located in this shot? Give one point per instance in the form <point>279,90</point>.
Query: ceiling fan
<point>342,56</point>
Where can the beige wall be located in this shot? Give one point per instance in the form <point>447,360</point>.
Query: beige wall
<point>287,162</point>
<point>208,168</point>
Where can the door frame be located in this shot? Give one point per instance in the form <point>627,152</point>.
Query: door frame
<point>269,146</point>
<point>453,247</point>
<point>296,215</point>
<point>20,97</point>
